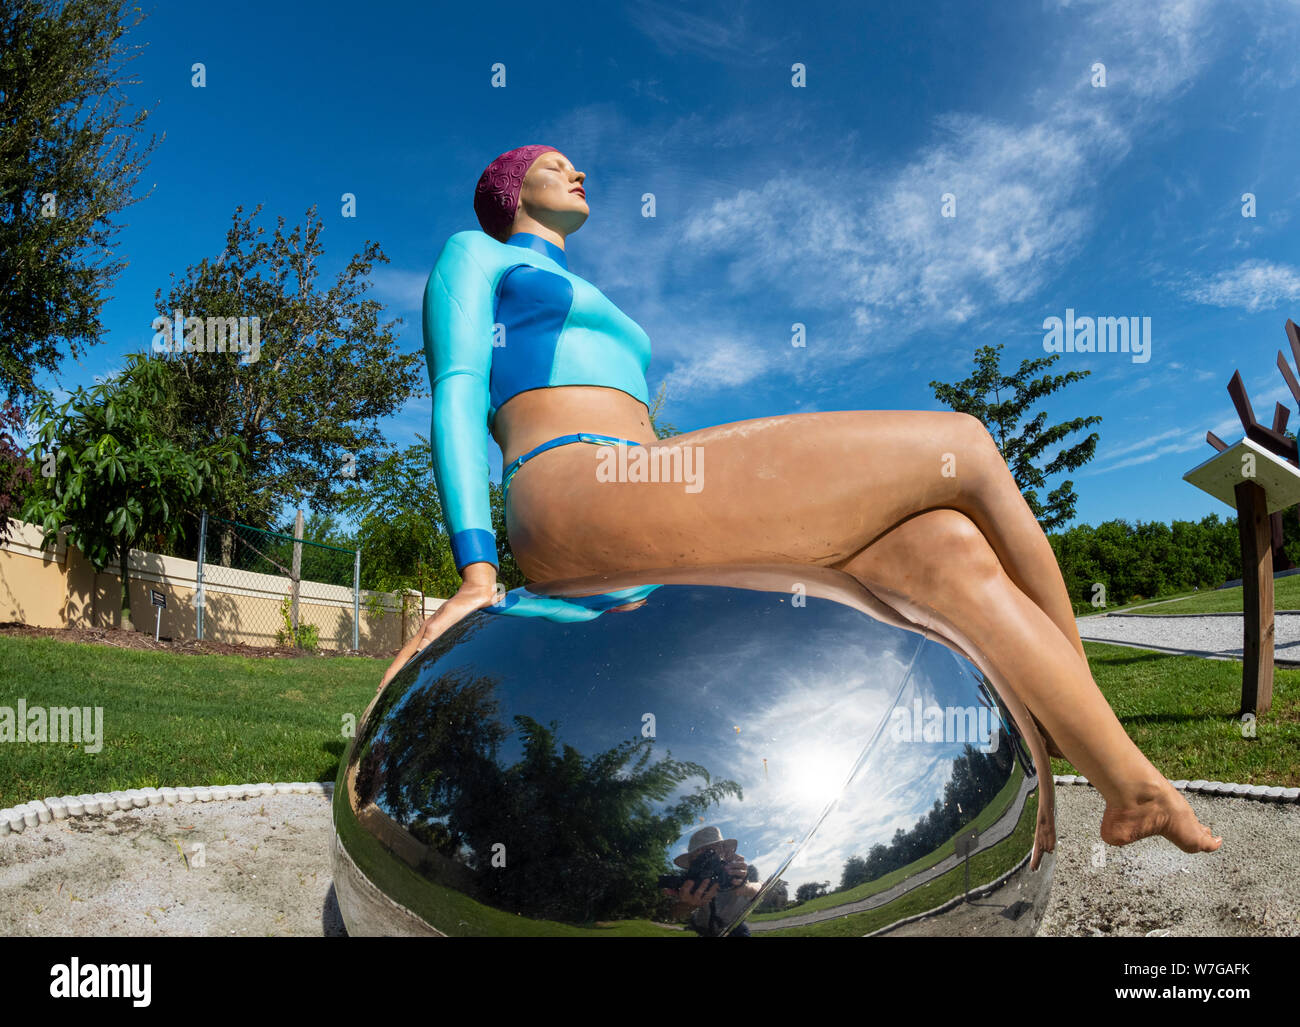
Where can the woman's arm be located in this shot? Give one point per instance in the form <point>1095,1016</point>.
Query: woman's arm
<point>476,591</point>
<point>457,318</point>
<point>458,312</point>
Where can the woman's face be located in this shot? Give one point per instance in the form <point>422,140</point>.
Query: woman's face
<point>552,194</point>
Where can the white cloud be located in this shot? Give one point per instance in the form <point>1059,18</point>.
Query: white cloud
<point>683,31</point>
<point>718,363</point>
<point>1253,285</point>
<point>778,222</point>
<point>815,235</point>
<point>883,247</point>
<point>1150,49</point>
<point>1192,440</point>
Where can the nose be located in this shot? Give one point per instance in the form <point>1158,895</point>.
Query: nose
<point>581,176</point>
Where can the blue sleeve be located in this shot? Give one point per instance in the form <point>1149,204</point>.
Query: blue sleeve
<point>458,304</point>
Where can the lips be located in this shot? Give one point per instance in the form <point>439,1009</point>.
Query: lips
<point>580,191</point>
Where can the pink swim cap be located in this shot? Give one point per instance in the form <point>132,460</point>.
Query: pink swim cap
<point>497,197</point>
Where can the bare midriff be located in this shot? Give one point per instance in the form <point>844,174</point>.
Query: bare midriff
<point>527,420</point>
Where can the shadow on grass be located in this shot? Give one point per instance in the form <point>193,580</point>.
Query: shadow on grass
<point>1152,719</point>
<point>1138,657</point>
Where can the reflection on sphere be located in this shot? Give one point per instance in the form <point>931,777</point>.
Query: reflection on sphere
<point>543,766</point>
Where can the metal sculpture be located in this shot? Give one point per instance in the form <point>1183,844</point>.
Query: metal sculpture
<point>727,751</point>
<point>1260,501</point>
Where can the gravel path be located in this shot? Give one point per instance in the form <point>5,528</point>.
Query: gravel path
<point>266,872</point>
<point>1200,635</point>
<point>1250,887</point>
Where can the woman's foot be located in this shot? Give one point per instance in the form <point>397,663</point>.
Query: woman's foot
<point>1165,813</point>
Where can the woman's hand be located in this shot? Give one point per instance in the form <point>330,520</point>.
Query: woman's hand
<point>478,589</point>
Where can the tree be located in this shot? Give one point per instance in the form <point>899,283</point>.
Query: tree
<point>117,478</point>
<point>1021,449</point>
<point>811,890</point>
<point>68,164</point>
<point>15,469</point>
<point>1149,559</point>
<point>775,899</point>
<point>326,555</point>
<point>661,430</point>
<point>401,532</point>
<point>320,527</point>
<point>306,390</point>
<point>856,871</point>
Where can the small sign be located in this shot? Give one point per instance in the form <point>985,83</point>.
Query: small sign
<point>158,598</point>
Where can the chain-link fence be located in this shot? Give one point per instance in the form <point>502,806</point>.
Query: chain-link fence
<point>261,587</point>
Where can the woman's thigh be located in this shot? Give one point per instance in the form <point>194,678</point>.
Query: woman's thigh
<point>806,488</point>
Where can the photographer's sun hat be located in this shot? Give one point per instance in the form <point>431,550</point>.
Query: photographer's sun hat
<point>705,838</point>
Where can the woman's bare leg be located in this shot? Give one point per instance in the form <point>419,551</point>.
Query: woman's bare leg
<point>821,489</point>
<point>850,475</point>
<point>938,569</point>
<point>947,536</point>
<point>995,505</point>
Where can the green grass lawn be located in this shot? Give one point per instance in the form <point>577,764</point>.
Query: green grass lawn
<point>178,719</point>
<point>1180,710</point>
<point>1286,596</point>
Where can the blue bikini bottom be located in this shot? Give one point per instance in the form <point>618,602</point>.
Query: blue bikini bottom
<point>561,440</point>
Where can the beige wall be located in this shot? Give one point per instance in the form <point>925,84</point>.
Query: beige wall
<point>60,589</point>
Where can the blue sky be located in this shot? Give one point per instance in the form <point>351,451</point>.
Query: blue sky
<point>775,204</point>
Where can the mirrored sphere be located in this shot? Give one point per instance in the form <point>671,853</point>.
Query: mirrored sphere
<point>734,751</point>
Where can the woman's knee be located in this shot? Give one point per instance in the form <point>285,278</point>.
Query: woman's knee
<point>960,551</point>
<point>936,550</point>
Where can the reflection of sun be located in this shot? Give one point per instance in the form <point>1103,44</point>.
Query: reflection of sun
<point>810,774</point>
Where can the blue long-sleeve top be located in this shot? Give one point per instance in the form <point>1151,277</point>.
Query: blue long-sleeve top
<point>500,319</point>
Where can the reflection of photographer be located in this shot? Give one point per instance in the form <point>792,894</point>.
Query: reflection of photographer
<point>716,887</point>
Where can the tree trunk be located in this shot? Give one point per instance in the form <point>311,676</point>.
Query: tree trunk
<point>125,548</point>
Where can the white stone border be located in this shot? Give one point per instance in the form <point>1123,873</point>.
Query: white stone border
<point>42,811</point>
<point>1265,793</point>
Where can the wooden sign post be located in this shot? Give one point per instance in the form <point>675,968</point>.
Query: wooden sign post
<point>1260,476</point>
<point>1257,598</point>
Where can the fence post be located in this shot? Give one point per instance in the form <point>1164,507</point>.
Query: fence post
<point>198,596</point>
<point>296,570</point>
<point>356,602</point>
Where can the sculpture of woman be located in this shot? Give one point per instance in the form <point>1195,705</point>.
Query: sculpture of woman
<point>917,505</point>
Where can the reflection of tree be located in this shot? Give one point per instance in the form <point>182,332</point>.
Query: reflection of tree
<point>582,840</point>
<point>811,890</point>
<point>976,778</point>
<point>775,898</point>
<point>434,701</point>
<point>441,755</point>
